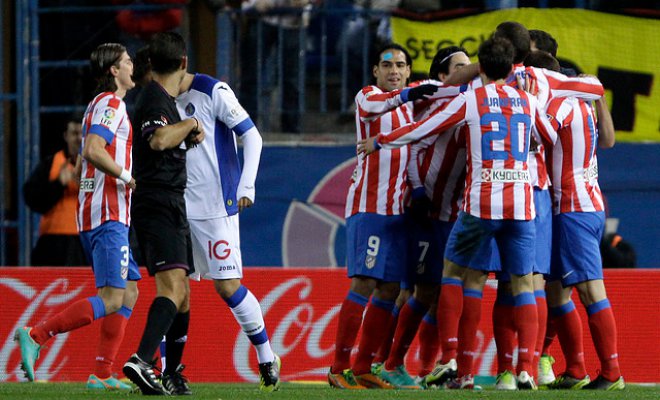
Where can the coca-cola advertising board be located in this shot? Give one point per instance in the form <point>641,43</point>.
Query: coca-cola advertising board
<point>300,307</point>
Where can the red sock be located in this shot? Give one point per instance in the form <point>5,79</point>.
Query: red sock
<point>467,330</point>
<point>112,334</point>
<point>603,332</point>
<point>377,316</point>
<point>504,333</point>
<point>384,350</point>
<point>550,334</point>
<point>429,344</point>
<point>350,319</point>
<point>568,324</point>
<point>526,323</point>
<point>450,307</point>
<point>73,317</point>
<point>411,315</point>
<point>542,315</point>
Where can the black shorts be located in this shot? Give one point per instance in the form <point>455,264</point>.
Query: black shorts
<point>163,233</point>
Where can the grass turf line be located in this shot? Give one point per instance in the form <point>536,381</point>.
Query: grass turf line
<point>290,391</point>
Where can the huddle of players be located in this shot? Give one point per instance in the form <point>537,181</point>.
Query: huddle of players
<point>186,195</point>
<point>500,179</point>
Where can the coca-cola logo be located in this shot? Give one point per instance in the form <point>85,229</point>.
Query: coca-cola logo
<point>34,302</point>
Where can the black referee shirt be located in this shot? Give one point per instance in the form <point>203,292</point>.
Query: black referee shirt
<point>152,169</point>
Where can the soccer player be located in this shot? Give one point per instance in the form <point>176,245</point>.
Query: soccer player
<point>103,218</point>
<point>498,196</point>
<point>376,249</point>
<point>436,172</point>
<point>159,215</point>
<point>578,224</point>
<point>217,190</point>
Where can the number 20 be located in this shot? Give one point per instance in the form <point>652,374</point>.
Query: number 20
<point>505,128</point>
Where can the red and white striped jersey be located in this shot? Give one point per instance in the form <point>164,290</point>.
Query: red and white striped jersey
<point>500,120</point>
<point>572,160</point>
<point>437,163</point>
<point>550,84</point>
<point>103,197</point>
<point>379,180</point>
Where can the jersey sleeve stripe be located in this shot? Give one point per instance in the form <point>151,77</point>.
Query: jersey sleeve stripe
<point>102,131</point>
<point>243,126</point>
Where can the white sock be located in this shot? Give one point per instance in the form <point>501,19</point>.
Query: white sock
<point>248,315</point>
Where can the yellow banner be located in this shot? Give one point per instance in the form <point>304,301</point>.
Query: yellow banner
<point>624,52</point>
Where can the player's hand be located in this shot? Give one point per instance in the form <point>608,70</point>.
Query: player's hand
<point>422,91</point>
<point>66,175</point>
<point>366,146</point>
<point>131,184</point>
<point>530,85</point>
<point>244,203</point>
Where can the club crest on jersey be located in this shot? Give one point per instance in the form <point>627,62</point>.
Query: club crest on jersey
<point>370,262</point>
<point>190,109</point>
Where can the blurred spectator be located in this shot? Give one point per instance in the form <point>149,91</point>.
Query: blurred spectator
<point>375,27</point>
<point>616,252</point>
<point>52,190</point>
<point>281,27</point>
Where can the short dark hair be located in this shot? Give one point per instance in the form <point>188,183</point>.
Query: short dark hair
<point>441,61</point>
<point>166,52</point>
<point>141,64</point>
<point>542,59</point>
<point>391,46</point>
<point>101,59</point>
<point>544,41</point>
<point>496,58</point>
<point>518,35</point>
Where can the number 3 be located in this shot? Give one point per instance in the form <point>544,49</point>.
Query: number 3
<point>124,259</point>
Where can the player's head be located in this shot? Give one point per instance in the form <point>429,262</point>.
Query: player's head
<point>542,59</point>
<point>448,60</point>
<point>112,68</point>
<point>167,53</point>
<point>542,40</point>
<point>392,67</point>
<point>518,35</point>
<point>73,134</point>
<point>496,58</point>
<point>142,67</point>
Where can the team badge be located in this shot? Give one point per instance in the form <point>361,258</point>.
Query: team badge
<point>124,273</point>
<point>370,262</point>
<point>190,109</point>
<point>420,268</point>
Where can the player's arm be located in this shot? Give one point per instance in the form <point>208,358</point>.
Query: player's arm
<point>252,145</point>
<point>171,135</point>
<point>463,75</point>
<point>542,126</point>
<point>372,103</point>
<point>94,152</point>
<point>584,87</point>
<point>606,132</point>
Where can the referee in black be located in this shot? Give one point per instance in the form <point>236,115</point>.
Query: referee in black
<point>159,214</point>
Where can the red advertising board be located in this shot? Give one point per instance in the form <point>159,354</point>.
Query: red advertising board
<point>300,308</point>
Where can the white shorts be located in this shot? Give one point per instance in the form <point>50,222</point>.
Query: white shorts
<point>216,248</point>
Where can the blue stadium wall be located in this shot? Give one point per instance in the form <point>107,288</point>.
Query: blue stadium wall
<point>285,228</point>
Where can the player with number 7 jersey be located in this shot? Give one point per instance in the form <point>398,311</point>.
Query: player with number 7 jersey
<point>500,120</point>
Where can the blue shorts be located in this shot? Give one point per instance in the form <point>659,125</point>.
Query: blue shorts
<point>376,246</point>
<point>426,247</point>
<point>543,226</point>
<point>112,260</point>
<point>576,247</point>
<point>471,239</point>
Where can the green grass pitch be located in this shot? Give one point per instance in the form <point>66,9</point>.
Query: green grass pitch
<point>292,391</point>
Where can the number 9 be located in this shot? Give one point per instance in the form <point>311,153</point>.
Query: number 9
<point>374,244</point>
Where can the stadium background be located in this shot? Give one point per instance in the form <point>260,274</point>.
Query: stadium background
<point>298,218</point>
